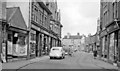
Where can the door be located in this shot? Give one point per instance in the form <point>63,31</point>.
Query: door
<point>0,41</point>
<point>40,45</point>
<point>37,44</point>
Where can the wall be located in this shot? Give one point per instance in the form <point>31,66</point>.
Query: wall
<point>2,10</point>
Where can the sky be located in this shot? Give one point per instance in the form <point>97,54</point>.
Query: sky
<point>79,16</point>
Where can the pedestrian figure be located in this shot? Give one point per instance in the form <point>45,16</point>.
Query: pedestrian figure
<point>70,52</point>
<point>95,53</point>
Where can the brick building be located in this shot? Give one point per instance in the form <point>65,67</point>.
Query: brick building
<point>98,37</point>
<point>40,29</point>
<point>110,31</point>
<point>72,41</point>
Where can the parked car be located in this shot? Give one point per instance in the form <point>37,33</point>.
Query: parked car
<point>57,52</point>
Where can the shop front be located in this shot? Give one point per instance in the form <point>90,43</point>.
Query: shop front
<point>32,44</point>
<point>113,42</point>
<point>17,35</point>
<point>119,47</point>
<point>103,48</point>
<point>46,41</point>
<point>35,41</point>
<point>16,44</point>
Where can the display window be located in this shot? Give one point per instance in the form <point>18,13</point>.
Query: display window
<point>32,42</point>
<point>111,47</point>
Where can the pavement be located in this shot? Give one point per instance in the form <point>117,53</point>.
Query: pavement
<point>103,64</point>
<point>80,60</point>
<point>19,64</point>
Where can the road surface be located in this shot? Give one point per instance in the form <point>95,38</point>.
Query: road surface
<point>80,60</point>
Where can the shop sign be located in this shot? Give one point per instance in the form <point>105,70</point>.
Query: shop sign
<point>3,54</point>
<point>45,32</point>
<point>103,33</point>
<point>35,27</point>
<point>112,28</point>
<point>13,29</point>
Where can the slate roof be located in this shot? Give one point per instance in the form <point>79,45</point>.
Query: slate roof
<point>15,18</point>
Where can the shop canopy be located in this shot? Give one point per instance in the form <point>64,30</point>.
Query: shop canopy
<point>15,18</point>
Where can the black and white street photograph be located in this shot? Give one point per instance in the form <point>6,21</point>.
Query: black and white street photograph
<point>60,35</point>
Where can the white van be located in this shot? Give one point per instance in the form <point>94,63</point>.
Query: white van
<point>57,52</point>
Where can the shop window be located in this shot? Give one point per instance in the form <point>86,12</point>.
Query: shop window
<point>21,40</point>
<point>32,47</point>
<point>33,37</point>
<point>9,37</point>
<point>36,19</point>
<point>45,18</point>
<point>42,18</point>
<point>15,38</point>
<point>36,9</point>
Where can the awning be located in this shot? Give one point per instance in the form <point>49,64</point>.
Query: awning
<point>15,18</point>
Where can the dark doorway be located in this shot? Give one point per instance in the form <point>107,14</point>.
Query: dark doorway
<point>37,46</point>
<point>44,46</point>
<point>40,45</point>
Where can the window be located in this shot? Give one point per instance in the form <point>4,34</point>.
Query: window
<point>113,10</point>
<point>33,37</point>
<point>116,11</point>
<point>42,18</point>
<point>21,40</point>
<point>47,4</point>
<point>36,19</point>
<point>45,18</point>
<point>33,16</point>
<point>9,37</point>
<point>36,9</point>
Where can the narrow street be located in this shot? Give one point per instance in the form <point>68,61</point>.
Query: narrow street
<point>80,60</point>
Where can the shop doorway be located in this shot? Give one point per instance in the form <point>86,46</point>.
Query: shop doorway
<point>37,46</point>
<point>40,45</point>
<point>44,48</point>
